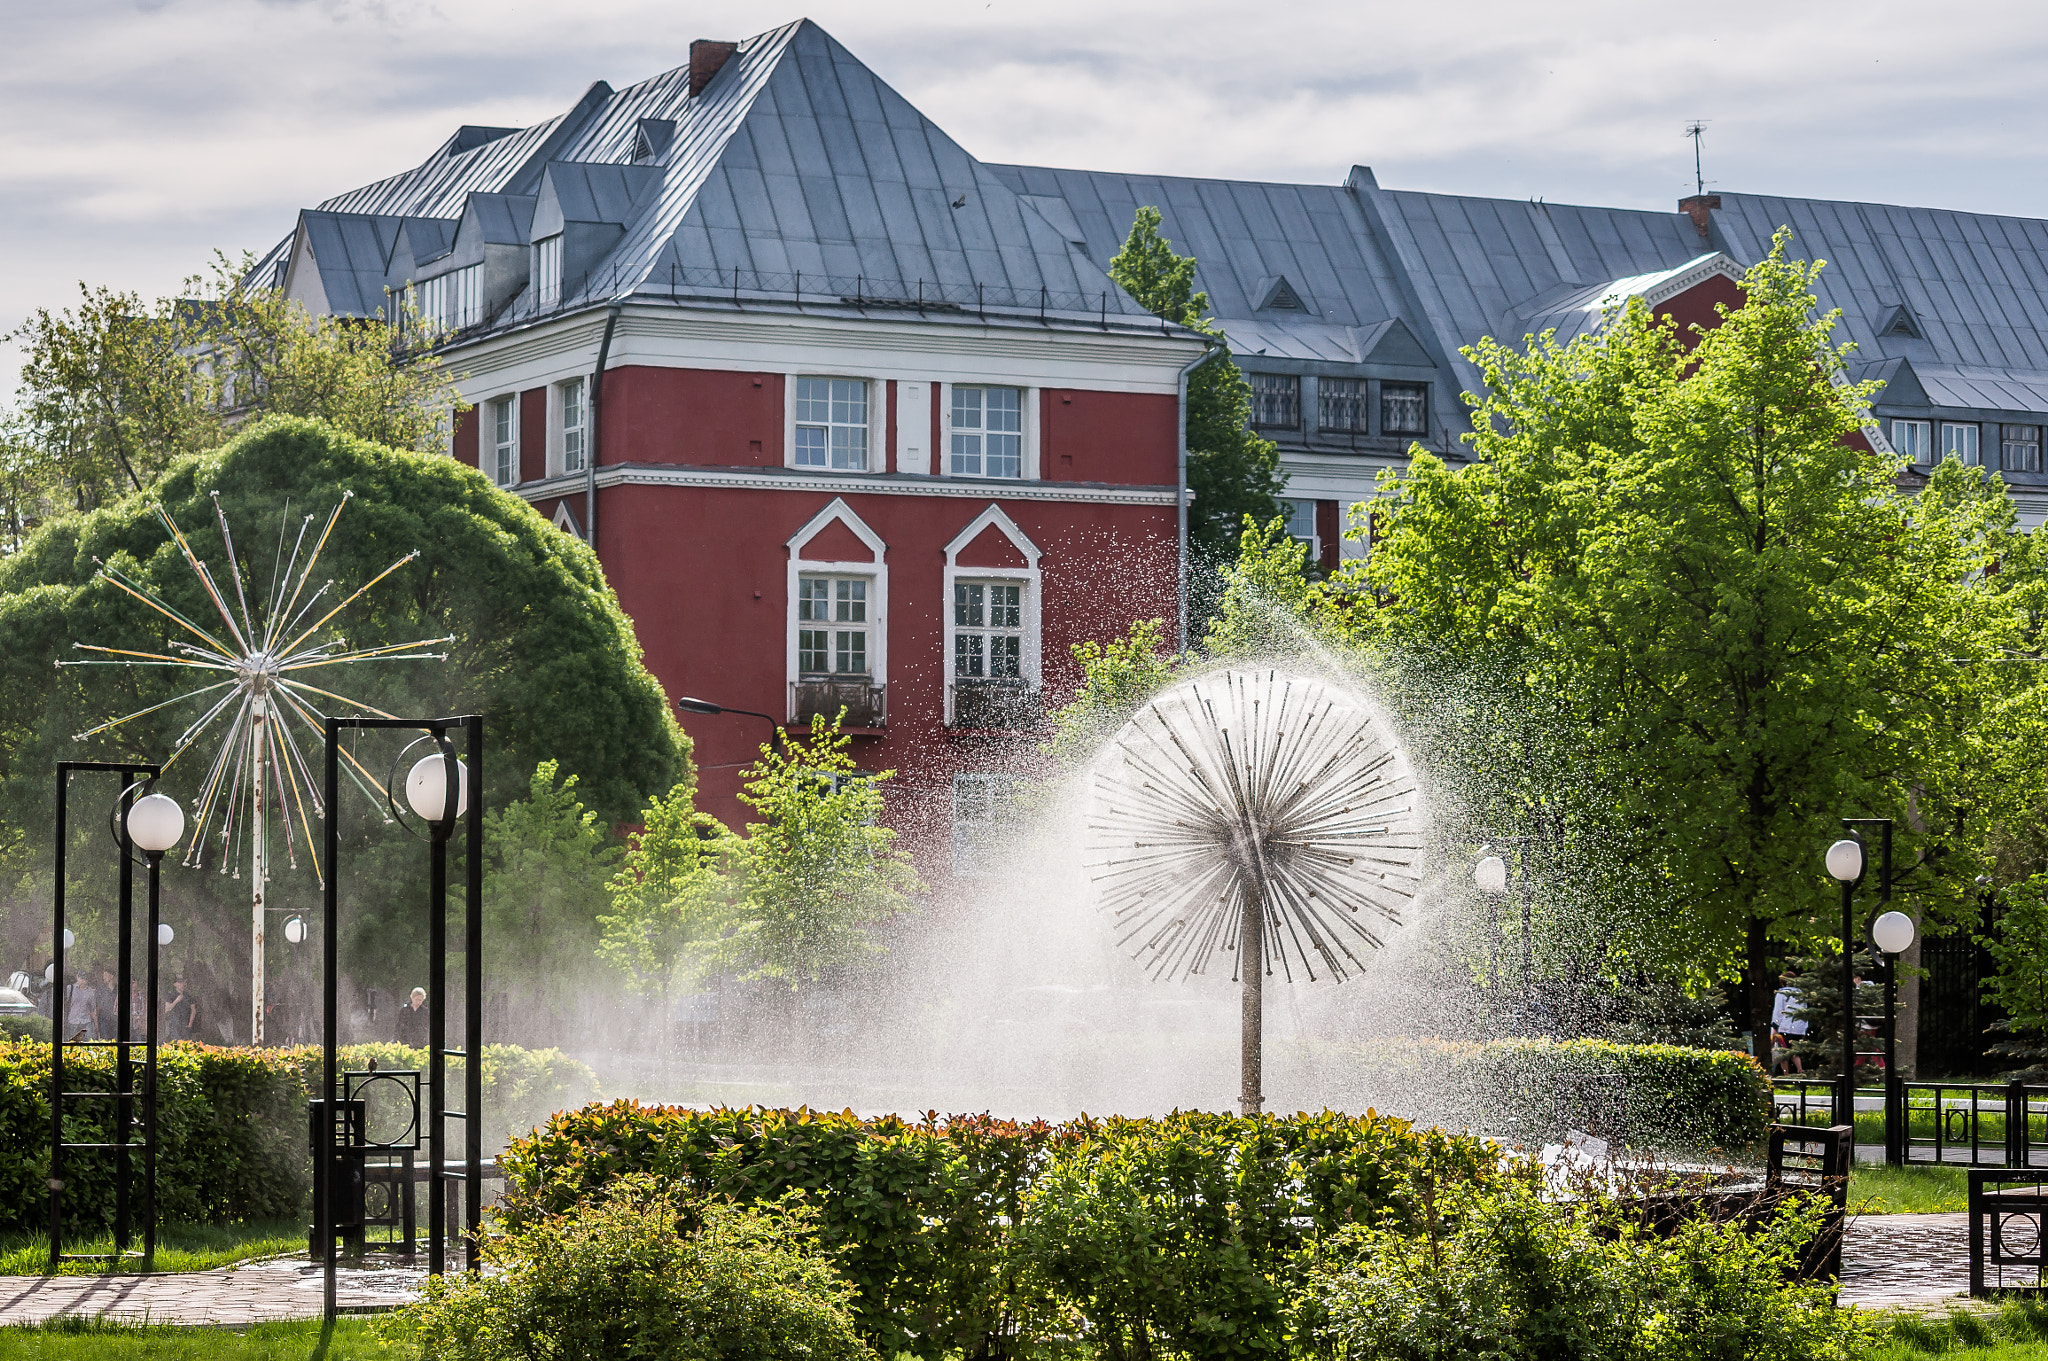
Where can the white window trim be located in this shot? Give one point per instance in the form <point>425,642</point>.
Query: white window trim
<point>976,865</point>
<point>878,421</point>
<point>555,441</point>
<point>489,438</point>
<point>876,571</point>
<point>565,520</point>
<point>1928,455</point>
<point>1314,535</point>
<point>1030,468</point>
<point>1028,576</point>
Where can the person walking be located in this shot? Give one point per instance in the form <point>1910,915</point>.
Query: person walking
<point>107,1004</point>
<point>81,1007</point>
<point>412,1020</point>
<point>181,1013</point>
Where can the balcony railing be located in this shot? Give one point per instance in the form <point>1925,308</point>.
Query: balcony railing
<point>864,703</point>
<point>1010,704</point>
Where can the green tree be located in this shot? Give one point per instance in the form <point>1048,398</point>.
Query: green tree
<point>1232,472</point>
<point>546,860</point>
<point>1735,627</point>
<point>819,869</point>
<point>541,649</point>
<point>115,389</point>
<point>672,899</point>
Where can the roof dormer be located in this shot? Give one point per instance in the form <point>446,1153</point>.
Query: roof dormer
<point>652,138</point>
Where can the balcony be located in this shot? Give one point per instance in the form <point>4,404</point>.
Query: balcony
<point>1012,704</point>
<point>865,703</point>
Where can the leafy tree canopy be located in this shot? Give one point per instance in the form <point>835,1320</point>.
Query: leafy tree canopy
<point>114,390</point>
<point>1232,472</point>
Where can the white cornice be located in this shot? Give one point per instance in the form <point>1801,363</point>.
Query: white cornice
<point>779,479</point>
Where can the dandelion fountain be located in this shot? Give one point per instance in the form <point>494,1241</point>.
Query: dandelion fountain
<point>1266,816</point>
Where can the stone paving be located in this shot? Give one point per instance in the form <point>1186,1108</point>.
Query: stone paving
<point>1888,1262</point>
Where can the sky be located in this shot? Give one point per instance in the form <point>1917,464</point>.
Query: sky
<point>138,136</point>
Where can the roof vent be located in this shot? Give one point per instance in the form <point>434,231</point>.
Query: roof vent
<point>1278,295</point>
<point>707,58</point>
<point>1899,322</point>
<point>653,138</point>
<point>470,136</point>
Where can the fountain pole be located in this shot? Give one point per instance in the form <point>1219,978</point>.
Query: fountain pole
<point>1252,962</point>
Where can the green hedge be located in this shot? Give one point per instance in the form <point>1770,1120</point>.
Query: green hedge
<point>956,1232</point>
<point>1530,1091</point>
<point>231,1124</point>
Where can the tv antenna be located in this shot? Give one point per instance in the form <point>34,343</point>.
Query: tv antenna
<point>1697,129</point>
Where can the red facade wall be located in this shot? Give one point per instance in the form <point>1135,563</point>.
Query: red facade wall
<point>1695,306</point>
<point>1124,437</point>
<point>533,434</point>
<point>1329,533</point>
<point>693,416</point>
<point>704,573</point>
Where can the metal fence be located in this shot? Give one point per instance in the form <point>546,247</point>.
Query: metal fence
<point>1805,1102</point>
<point>1966,1124</point>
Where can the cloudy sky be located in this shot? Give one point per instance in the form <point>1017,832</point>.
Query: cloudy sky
<point>136,136</point>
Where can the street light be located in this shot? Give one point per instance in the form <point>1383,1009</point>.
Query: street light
<point>1845,861</point>
<point>1892,933</point>
<point>1491,874</point>
<point>295,930</point>
<point>705,706</point>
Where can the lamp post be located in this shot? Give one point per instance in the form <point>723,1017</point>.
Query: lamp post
<point>1892,934</point>
<point>155,824</point>
<point>1846,863</point>
<point>1491,875</point>
<point>705,706</point>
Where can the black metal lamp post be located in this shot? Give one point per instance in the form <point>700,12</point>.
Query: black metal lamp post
<point>705,706</point>
<point>155,824</point>
<point>1892,934</point>
<point>1846,863</point>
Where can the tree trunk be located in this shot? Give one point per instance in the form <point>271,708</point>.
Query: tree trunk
<point>1760,989</point>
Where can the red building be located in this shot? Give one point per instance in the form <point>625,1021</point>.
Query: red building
<point>851,423</point>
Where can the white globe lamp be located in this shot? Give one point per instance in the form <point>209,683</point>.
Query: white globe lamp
<point>1491,874</point>
<point>1845,860</point>
<point>426,788</point>
<point>156,823</point>
<point>1892,933</point>
<point>295,930</point>
<point>164,934</point>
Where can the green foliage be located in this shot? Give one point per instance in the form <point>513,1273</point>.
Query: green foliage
<point>819,869</point>
<point>77,1338</point>
<point>541,649</point>
<point>25,1028</point>
<point>1232,472</point>
<point>1724,622</point>
<point>231,1124</point>
<point>670,901</point>
<point>1116,677</point>
<point>1818,981</point>
<point>642,1272</point>
<point>950,1230</point>
<point>114,392</point>
<point>1180,1232</point>
<point>1505,1274</point>
<point>179,1247</point>
<point>546,858</point>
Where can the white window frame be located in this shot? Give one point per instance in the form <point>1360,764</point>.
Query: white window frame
<point>558,428</point>
<point>1379,415</point>
<point>1313,539</point>
<point>1029,467</point>
<point>1964,441</point>
<point>832,626</point>
<point>1029,662</point>
<point>991,790</point>
<point>876,571</point>
<point>1915,440</point>
<point>877,423</point>
<point>504,451</point>
<point>2005,463</point>
<point>547,271</point>
<point>987,630</point>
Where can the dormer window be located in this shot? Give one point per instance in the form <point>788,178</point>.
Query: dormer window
<point>547,271</point>
<point>1276,400</point>
<point>1404,409</point>
<point>453,301</point>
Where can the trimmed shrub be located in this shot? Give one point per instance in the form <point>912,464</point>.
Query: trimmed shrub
<point>957,1232</point>
<point>1530,1091</point>
<point>25,1028</point>
<point>645,1272</point>
<point>231,1124</point>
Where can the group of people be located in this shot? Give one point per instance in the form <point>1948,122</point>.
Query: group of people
<point>92,1011</point>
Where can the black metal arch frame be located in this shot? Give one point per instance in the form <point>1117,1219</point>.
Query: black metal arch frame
<point>438,1113</point>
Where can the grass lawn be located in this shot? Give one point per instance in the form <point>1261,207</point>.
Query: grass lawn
<point>2017,1332</point>
<point>179,1247</point>
<point>1877,1189</point>
<point>353,1340</point>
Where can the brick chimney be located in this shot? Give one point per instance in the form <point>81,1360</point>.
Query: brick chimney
<point>707,57</point>
<point>1697,207</point>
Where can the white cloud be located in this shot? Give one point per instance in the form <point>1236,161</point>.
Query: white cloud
<point>134,137</point>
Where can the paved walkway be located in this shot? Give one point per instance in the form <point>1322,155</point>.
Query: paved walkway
<point>254,1292</point>
<point>1906,1261</point>
<point>1888,1262</point>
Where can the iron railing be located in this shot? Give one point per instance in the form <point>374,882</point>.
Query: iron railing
<point>1012,704</point>
<point>1806,1102</point>
<point>855,702</point>
<point>1340,405</point>
<point>1969,1124</point>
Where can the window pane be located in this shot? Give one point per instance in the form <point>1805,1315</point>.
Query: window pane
<point>1276,400</point>
<point>849,401</point>
<point>1404,409</point>
<point>501,413</point>
<point>966,605</point>
<point>1341,403</point>
<point>967,408</point>
<point>812,593</point>
<point>810,446</point>
<point>1003,656</point>
<point>2021,451</point>
<point>811,652</point>
<point>1910,439</point>
<point>1960,443</point>
<point>966,455</point>
<point>813,400</point>
<point>1005,455</point>
<point>852,658</point>
<point>849,446</point>
<point>1003,609</point>
<point>967,654</point>
<point>1005,409</point>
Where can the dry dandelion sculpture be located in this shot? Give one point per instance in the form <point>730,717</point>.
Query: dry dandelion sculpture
<point>260,781</point>
<point>1255,814</point>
